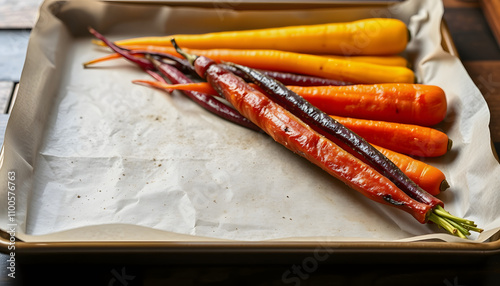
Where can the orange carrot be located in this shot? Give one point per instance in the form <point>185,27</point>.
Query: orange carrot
<point>102,59</point>
<point>202,87</point>
<point>372,36</point>
<point>404,103</point>
<point>428,177</point>
<point>408,139</point>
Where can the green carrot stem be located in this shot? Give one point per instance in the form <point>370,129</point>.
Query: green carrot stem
<point>442,223</point>
<point>473,228</point>
<point>461,229</point>
<point>189,57</point>
<point>455,225</point>
<point>439,210</point>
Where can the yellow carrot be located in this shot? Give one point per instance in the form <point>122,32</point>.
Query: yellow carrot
<point>315,65</point>
<point>372,36</point>
<point>394,60</point>
<point>391,60</point>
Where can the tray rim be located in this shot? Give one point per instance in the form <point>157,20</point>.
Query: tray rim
<point>240,251</point>
<point>183,252</point>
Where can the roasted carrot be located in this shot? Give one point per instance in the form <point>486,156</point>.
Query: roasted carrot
<point>404,103</point>
<point>428,177</point>
<point>102,59</point>
<point>373,36</point>
<point>408,139</point>
<point>203,87</point>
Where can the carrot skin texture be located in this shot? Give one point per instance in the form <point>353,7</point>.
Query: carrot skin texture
<point>428,177</point>
<point>298,137</point>
<point>408,139</point>
<point>404,103</point>
<point>374,36</point>
<point>392,60</point>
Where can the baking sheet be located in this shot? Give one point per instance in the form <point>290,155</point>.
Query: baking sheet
<point>98,158</point>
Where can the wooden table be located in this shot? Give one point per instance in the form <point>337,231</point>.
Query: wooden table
<point>479,51</point>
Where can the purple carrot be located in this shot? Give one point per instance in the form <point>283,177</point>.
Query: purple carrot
<point>141,62</point>
<point>175,76</point>
<point>302,80</point>
<point>291,78</point>
<point>145,64</point>
<point>180,64</point>
<point>156,76</point>
<point>204,100</point>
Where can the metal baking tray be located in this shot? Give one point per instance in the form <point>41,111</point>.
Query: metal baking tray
<point>182,252</point>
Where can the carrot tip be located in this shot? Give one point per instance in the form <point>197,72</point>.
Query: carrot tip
<point>450,144</point>
<point>89,63</point>
<point>444,185</point>
<point>155,84</point>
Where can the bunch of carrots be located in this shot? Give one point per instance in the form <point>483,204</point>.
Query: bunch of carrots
<point>361,117</point>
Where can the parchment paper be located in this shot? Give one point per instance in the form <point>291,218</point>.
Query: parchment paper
<point>99,158</point>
